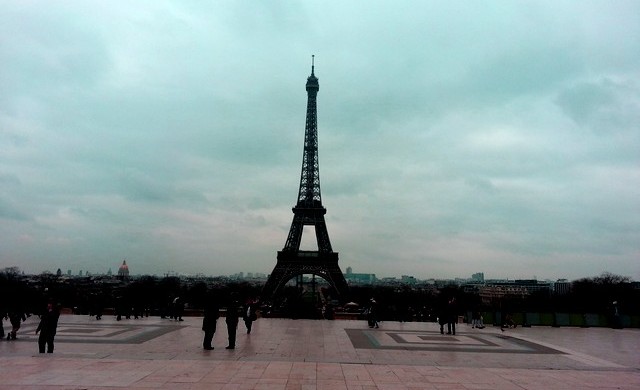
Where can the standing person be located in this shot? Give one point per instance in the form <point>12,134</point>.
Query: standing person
<point>178,309</point>
<point>617,321</point>
<point>442,317</point>
<point>452,316</point>
<point>209,322</point>
<point>372,314</point>
<point>328,312</point>
<point>231,319</point>
<point>3,315</point>
<point>119,307</point>
<point>98,305</point>
<point>249,314</point>
<point>47,328</point>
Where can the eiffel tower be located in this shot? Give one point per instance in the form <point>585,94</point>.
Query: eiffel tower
<point>293,262</point>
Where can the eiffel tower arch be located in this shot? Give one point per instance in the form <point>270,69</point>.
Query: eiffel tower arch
<point>308,211</point>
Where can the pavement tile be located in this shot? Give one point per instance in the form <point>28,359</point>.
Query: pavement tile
<point>307,354</point>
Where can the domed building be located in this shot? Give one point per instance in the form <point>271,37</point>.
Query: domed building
<point>123,271</point>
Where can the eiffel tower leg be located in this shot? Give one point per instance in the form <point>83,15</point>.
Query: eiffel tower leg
<point>295,233</point>
<point>337,280</point>
<point>275,281</point>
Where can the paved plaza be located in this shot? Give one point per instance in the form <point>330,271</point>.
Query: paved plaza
<point>307,354</point>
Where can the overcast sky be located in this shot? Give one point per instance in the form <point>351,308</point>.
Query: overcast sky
<point>454,137</point>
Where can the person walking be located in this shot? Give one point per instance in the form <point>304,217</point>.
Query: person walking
<point>47,328</point>
<point>232,318</point>
<point>249,314</point>
<point>209,322</point>
<point>372,314</point>
<point>15,318</point>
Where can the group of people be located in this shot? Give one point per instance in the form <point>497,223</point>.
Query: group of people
<point>46,327</point>
<point>235,311</point>
<point>449,316</point>
<point>476,320</point>
<point>174,310</point>
<point>48,324</point>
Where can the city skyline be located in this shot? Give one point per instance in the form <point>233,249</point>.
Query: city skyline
<point>453,138</point>
<point>348,270</point>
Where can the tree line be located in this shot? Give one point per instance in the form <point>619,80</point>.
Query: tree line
<point>405,303</point>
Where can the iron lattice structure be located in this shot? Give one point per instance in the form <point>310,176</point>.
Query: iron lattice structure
<point>308,211</point>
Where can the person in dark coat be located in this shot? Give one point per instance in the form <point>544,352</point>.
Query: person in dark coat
<point>47,328</point>
<point>452,316</point>
<point>178,309</point>
<point>209,322</point>
<point>371,314</point>
<point>15,318</point>
<point>442,318</point>
<point>3,314</point>
<point>249,314</point>
<point>232,318</point>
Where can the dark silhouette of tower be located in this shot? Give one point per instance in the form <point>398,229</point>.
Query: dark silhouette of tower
<point>292,261</point>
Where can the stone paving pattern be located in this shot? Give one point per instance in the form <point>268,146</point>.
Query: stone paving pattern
<point>306,354</point>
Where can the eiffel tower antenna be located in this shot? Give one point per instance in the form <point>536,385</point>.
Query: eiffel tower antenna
<point>308,211</point>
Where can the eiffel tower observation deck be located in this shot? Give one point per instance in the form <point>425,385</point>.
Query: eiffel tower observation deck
<point>308,211</point>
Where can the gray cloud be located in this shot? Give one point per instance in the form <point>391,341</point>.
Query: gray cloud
<point>454,138</point>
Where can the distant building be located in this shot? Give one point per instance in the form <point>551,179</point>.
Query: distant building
<point>491,293</point>
<point>123,271</point>
<point>496,290</point>
<point>408,279</point>
<point>478,277</point>
<point>354,278</point>
<point>562,287</point>
<point>255,276</point>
